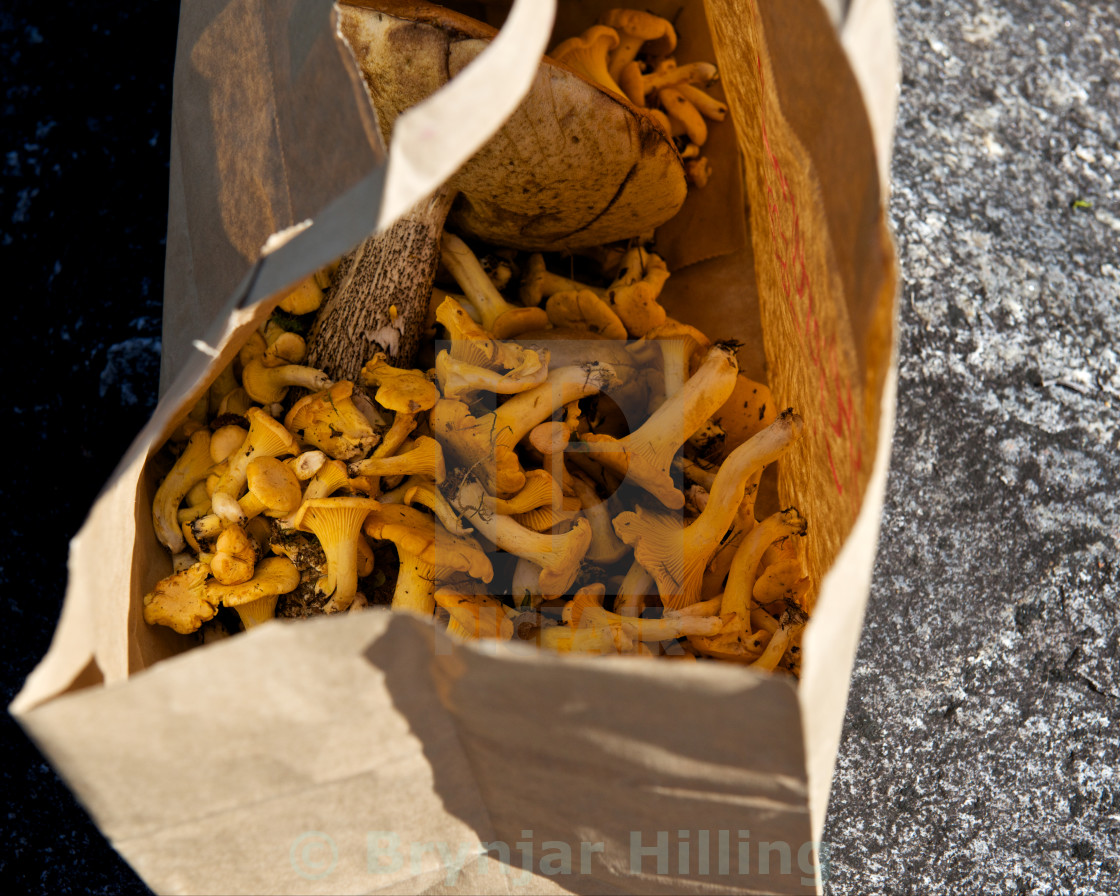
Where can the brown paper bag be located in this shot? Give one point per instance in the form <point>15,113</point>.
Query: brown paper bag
<point>367,753</point>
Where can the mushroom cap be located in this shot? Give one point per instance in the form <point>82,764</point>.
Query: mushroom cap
<point>643,26</point>
<point>586,54</point>
<point>273,576</point>
<point>268,435</point>
<point>415,532</point>
<point>583,310</point>
<point>225,440</point>
<point>402,390</point>
<point>304,298</point>
<point>574,166</point>
<point>332,518</point>
<point>550,437</point>
<point>181,601</point>
<point>540,489</point>
<point>274,483</point>
<point>696,342</point>
<point>331,421</point>
<point>481,615</point>
<point>587,597</point>
<point>235,556</point>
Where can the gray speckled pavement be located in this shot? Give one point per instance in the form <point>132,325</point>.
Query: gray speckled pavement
<point>981,751</point>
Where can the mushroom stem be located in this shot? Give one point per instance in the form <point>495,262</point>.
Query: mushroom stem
<point>190,468</point>
<point>415,586</point>
<point>558,556</point>
<point>497,315</point>
<point>744,566</point>
<point>379,300</point>
<point>632,593</point>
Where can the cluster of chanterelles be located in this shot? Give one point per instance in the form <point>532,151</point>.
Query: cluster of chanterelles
<point>555,473</point>
<point>630,52</point>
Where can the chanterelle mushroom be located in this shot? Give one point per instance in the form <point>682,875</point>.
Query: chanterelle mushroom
<point>635,28</point>
<point>181,601</point>
<point>592,169</point>
<point>675,555</point>
<point>190,468</point>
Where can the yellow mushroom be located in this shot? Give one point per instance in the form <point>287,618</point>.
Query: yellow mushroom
<point>273,488</point>
<point>785,580</point>
<point>583,310</point>
<point>336,522</point>
<point>496,315</point>
<point>477,615</point>
<point>790,627</point>
<point>598,641</point>
<point>305,298</point>
<point>744,566</point>
<point>684,118</point>
<point>331,477</point>
<point>479,443</point>
<point>638,85</point>
<point>255,600</point>
<point>461,379</point>
<point>191,467</point>
<point>538,283</point>
<point>705,104</point>
<point>586,54</point>
<point>545,518</point>
<point>636,586</point>
<point>635,28</point>
<point>486,444</point>
<point>424,458</point>
<point>559,556</point>
<point>268,385</point>
<point>254,347</point>
<point>675,555</point>
<point>540,490</point>
<point>428,555</point>
<point>307,463</point>
<point>226,440</point>
<point>235,556</point>
<point>633,294</point>
<point>181,601</point>
<point>668,627</point>
<point>424,491</point>
<point>645,456</point>
<point>331,421</point>
<point>284,346</point>
<point>196,503</point>
<point>550,440</point>
<point>236,402</point>
<point>405,392</point>
<point>267,437</point>
<point>473,345</point>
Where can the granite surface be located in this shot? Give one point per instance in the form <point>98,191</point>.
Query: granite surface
<point>981,749</point>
